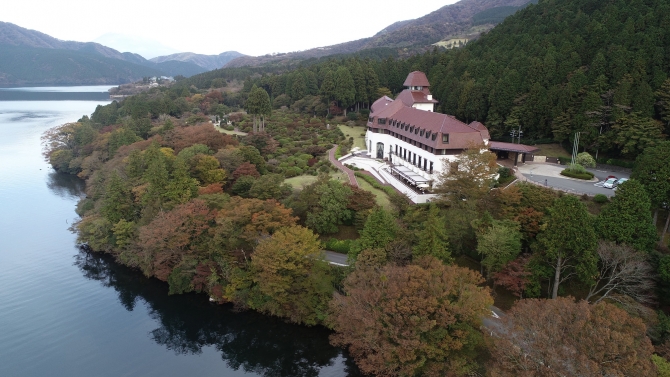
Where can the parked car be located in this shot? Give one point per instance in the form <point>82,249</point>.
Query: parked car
<point>610,183</point>
<point>619,181</point>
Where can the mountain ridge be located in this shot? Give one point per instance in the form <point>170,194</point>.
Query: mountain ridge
<point>208,62</point>
<point>421,33</point>
<point>130,66</point>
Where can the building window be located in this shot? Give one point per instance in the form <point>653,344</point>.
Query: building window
<point>411,129</point>
<point>422,132</point>
<point>416,131</point>
<point>381,120</point>
<point>370,119</point>
<point>434,137</point>
<point>431,167</point>
<point>427,134</point>
<point>425,163</point>
<point>445,138</point>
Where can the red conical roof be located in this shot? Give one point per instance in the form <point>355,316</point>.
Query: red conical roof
<point>416,78</point>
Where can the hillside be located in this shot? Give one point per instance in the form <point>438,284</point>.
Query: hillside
<point>539,71</point>
<point>413,35</point>
<point>100,64</point>
<point>208,62</point>
<point>20,65</point>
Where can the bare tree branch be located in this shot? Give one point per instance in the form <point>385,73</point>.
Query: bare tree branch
<point>622,271</point>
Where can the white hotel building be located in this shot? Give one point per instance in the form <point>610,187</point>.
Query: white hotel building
<point>418,142</point>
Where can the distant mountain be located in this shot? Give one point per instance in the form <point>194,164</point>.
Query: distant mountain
<point>73,62</point>
<point>406,36</point>
<point>22,65</point>
<point>209,62</point>
<point>147,48</point>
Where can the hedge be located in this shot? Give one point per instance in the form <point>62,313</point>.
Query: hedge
<point>585,176</point>
<point>375,183</point>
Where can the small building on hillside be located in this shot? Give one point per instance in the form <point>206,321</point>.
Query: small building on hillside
<point>417,142</point>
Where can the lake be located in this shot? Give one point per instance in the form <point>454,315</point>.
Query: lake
<point>67,312</point>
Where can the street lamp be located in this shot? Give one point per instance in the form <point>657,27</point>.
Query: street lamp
<point>516,133</point>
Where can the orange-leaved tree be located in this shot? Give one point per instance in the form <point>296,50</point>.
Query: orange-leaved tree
<point>420,319</point>
<point>561,337</point>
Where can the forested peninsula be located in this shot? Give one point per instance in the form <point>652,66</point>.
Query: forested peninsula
<point>241,211</point>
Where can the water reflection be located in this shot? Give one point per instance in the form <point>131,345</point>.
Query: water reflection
<point>66,185</point>
<point>246,340</point>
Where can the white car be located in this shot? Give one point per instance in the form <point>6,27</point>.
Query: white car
<point>610,183</point>
<point>620,181</point>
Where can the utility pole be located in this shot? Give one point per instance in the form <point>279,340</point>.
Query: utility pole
<point>516,133</point>
<point>575,148</point>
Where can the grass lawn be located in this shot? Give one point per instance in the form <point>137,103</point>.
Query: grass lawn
<point>380,196</point>
<point>551,150</point>
<point>301,181</point>
<point>357,132</point>
<point>230,132</point>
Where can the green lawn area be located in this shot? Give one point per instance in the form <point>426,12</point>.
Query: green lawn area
<point>551,150</point>
<point>301,181</point>
<point>230,132</point>
<point>380,196</point>
<point>357,132</point>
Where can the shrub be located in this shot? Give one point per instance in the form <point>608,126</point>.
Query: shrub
<point>600,198</point>
<point>340,246</point>
<point>586,176</point>
<point>564,160</point>
<point>585,159</point>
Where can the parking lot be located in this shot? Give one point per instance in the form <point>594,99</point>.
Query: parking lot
<point>550,175</point>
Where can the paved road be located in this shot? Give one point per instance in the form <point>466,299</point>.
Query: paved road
<point>337,259</point>
<point>549,174</point>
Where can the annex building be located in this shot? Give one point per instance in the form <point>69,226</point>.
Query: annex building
<point>419,143</point>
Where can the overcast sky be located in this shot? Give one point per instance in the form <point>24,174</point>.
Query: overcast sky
<point>214,26</point>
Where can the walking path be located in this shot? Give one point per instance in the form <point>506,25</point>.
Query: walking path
<point>338,164</point>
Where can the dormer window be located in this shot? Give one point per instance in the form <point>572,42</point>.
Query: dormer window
<point>445,138</point>
<point>434,137</point>
<point>381,120</point>
<point>422,132</point>
<point>411,129</point>
<point>427,134</point>
<point>416,131</point>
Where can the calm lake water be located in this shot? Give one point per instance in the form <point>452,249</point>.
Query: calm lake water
<point>67,312</point>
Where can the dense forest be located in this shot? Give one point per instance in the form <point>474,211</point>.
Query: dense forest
<point>553,69</point>
<point>584,281</point>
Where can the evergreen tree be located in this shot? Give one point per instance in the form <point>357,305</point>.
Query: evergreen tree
<point>117,203</point>
<point>433,239</point>
<point>627,219</point>
<point>568,245</point>
<point>345,90</point>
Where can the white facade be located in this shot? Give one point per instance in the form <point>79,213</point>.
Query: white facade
<point>424,106</point>
<point>389,143</point>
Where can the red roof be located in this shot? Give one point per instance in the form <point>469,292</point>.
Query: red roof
<point>397,114</point>
<point>416,78</point>
<point>511,147</point>
<point>410,97</point>
<point>380,103</point>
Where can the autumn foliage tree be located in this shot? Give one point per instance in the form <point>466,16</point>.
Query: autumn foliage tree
<point>420,319</point>
<point>172,236</point>
<point>561,337</point>
<point>290,278</point>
